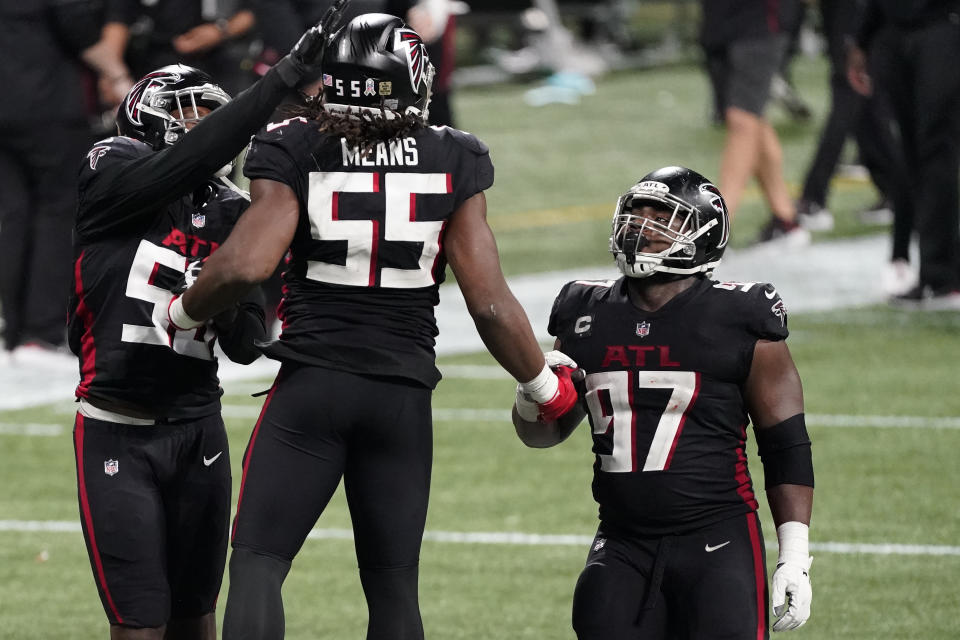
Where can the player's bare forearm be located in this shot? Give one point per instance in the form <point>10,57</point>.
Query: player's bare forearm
<point>540,435</point>
<point>251,253</point>
<point>505,330</point>
<point>790,503</point>
<point>500,320</point>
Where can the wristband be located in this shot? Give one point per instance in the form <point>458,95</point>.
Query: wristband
<point>543,388</point>
<point>793,537</point>
<point>526,408</point>
<point>178,316</point>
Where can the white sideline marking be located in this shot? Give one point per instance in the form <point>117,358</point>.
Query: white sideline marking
<point>530,539</point>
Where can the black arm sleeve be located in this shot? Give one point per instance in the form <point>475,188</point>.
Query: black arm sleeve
<point>140,186</point>
<point>238,333</point>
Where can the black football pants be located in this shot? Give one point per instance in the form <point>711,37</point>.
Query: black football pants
<point>709,584</point>
<point>318,425</point>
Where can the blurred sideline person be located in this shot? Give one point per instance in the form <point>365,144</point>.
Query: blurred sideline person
<point>435,21</point>
<point>210,36</point>
<point>372,204</point>
<point>44,134</point>
<point>672,367</point>
<point>870,121</point>
<point>915,67</point>
<point>153,467</point>
<point>744,42</point>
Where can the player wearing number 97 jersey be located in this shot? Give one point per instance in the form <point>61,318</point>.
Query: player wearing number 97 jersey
<point>676,365</point>
<point>369,204</point>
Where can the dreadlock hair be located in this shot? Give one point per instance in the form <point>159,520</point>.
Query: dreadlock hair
<point>363,128</point>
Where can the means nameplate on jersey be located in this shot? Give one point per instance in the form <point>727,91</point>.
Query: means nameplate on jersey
<point>395,153</point>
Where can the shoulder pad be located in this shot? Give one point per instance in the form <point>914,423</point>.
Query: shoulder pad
<point>574,297</point>
<point>466,140</point>
<point>760,307</point>
<point>115,148</point>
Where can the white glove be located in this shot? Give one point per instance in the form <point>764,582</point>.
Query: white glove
<point>559,359</point>
<point>791,593</point>
<point>527,407</point>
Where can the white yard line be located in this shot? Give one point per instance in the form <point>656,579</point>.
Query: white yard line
<point>528,539</point>
<point>252,411</point>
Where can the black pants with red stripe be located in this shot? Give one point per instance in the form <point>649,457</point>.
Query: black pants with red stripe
<point>155,511</point>
<point>318,426</point>
<point>708,584</point>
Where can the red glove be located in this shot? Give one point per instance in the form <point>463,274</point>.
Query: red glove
<point>563,400</point>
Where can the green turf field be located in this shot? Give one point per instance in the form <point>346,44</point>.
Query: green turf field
<point>880,388</point>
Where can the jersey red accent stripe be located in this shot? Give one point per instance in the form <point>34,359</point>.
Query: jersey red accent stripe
<point>773,18</point>
<point>436,258</point>
<point>249,453</point>
<point>336,205</point>
<point>374,245</point>
<point>631,382</point>
<point>449,183</point>
<point>153,273</point>
<point>413,207</point>
<point>376,182</point>
<point>88,349</point>
<point>741,475</point>
<point>759,575</point>
<point>683,421</point>
<point>78,434</point>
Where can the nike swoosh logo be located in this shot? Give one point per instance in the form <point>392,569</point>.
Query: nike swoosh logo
<point>710,549</point>
<point>209,461</point>
<point>770,294</point>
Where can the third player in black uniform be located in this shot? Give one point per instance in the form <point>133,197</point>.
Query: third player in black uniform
<point>153,466</point>
<point>676,365</point>
<point>372,204</point>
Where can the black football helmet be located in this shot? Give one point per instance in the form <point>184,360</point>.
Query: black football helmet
<point>373,60</point>
<point>698,228</point>
<point>146,112</point>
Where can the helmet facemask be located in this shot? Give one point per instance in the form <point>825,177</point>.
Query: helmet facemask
<point>186,103</point>
<point>146,113</point>
<point>678,224</point>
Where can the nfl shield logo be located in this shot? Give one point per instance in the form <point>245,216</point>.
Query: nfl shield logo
<point>643,329</point>
<point>110,467</point>
<point>199,220</point>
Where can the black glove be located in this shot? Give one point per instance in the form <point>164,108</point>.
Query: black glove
<point>302,64</point>
<point>189,277</point>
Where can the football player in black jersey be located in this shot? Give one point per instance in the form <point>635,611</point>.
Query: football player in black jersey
<point>153,467</point>
<point>674,365</point>
<point>372,204</point>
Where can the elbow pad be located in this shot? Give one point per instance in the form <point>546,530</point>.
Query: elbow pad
<point>785,452</point>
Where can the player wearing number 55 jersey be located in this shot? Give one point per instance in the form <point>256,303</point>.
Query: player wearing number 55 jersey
<point>372,204</point>
<point>675,365</point>
<point>153,466</point>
